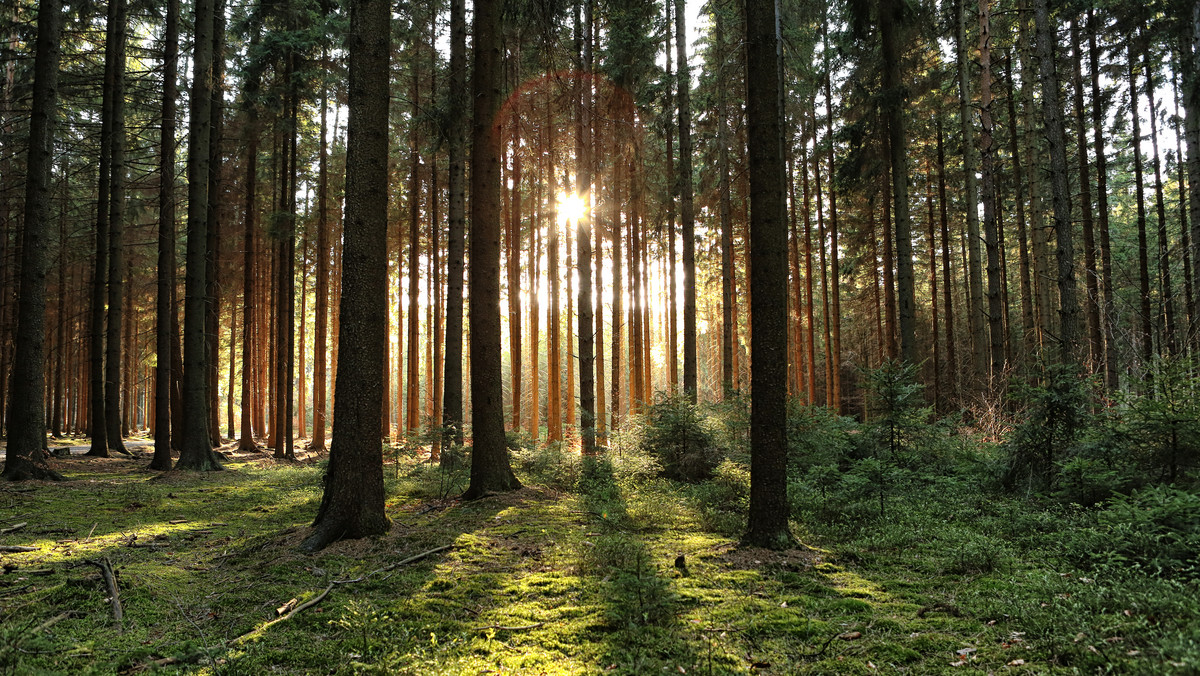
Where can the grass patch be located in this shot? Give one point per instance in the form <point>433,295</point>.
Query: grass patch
<point>599,569</point>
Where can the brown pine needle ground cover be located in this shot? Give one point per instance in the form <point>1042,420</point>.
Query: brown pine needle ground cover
<point>620,574</point>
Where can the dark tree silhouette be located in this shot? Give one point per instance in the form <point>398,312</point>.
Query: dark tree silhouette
<point>26,457</point>
<point>352,503</point>
<point>768,517</point>
<point>490,470</point>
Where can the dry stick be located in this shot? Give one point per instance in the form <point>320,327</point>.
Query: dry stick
<point>17,548</point>
<point>14,527</point>
<point>320,597</point>
<point>110,579</point>
<point>307,604</point>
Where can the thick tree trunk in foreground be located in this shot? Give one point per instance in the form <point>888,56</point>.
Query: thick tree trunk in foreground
<point>26,457</point>
<point>352,502</point>
<point>490,470</point>
<point>768,514</point>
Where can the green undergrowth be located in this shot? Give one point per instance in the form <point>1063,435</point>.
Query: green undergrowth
<point>593,568</point>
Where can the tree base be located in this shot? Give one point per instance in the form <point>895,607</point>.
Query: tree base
<point>202,462</point>
<point>330,530</point>
<point>23,469</point>
<point>776,539</point>
<point>498,485</point>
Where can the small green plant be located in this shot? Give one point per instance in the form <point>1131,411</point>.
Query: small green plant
<point>361,621</point>
<point>673,432</point>
<point>639,595</point>
<point>1056,412</point>
<point>1154,530</point>
<point>899,416</point>
<point>1163,422</point>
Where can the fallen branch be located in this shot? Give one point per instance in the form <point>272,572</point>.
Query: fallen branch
<point>114,594</point>
<point>14,527</point>
<point>497,627</point>
<point>290,614</point>
<point>810,656</point>
<point>17,548</point>
<point>320,597</point>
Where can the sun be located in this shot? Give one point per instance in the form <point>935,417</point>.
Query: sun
<point>571,207</point>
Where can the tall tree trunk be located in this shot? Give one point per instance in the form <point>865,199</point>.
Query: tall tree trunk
<point>1146,318</point>
<point>1091,278</point>
<point>810,332</point>
<point>212,289</point>
<point>822,261</point>
<point>767,518</point>
<point>1190,316</point>
<point>164,307</point>
<point>553,321</point>
<point>490,470</point>
<point>320,337</point>
<point>1190,53</point>
<point>687,218</point>
<point>196,450</point>
<point>889,271</point>
<point>947,285</point>
<point>991,226</point>
<point>25,457</point>
<point>1038,242</point>
<point>938,373</point>
<point>535,309</point>
<point>352,502</point>
<point>98,423</point>
<point>583,128</point>
<point>618,286</point>
<point>728,272</point>
<point>891,13</point>
<point>116,240</point>
<point>835,318</point>
<point>1166,288</point>
<point>513,268</point>
<point>975,311</point>
<point>1111,377</point>
<point>1052,111</point>
<point>452,400</point>
<point>1028,330</point>
<point>672,191</point>
<point>412,413</point>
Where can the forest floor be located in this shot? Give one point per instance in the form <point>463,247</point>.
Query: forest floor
<point>538,581</point>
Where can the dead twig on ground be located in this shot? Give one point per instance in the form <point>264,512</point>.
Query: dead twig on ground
<point>114,593</point>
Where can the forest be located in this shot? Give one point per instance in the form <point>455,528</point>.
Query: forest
<point>600,336</point>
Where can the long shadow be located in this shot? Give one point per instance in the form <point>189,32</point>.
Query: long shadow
<point>643,632</point>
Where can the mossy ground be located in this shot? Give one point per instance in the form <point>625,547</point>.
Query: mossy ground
<point>539,581</point>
